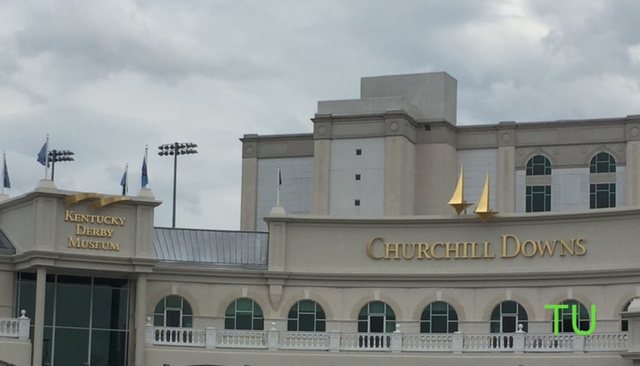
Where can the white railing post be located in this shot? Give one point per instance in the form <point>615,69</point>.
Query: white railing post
<point>23,325</point>
<point>149,333</point>
<point>396,340</point>
<point>210,337</point>
<point>334,341</point>
<point>518,340</point>
<point>457,342</point>
<point>578,343</point>
<point>272,337</point>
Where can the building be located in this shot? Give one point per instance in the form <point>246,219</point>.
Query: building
<point>364,262</point>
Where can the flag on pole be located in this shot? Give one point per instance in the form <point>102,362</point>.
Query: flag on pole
<point>42,155</point>
<point>145,174</point>
<point>279,177</point>
<point>123,181</point>
<point>6,183</point>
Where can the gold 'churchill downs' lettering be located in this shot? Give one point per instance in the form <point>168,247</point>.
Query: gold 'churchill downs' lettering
<point>89,226</point>
<point>512,247</point>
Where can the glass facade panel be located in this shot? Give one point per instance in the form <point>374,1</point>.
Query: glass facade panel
<point>602,195</point>
<point>73,305</point>
<point>86,319</point>
<point>108,348</point>
<point>506,317</point>
<point>71,346</point>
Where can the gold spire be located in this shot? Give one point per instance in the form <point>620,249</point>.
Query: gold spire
<point>457,200</point>
<point>483,209</point>
<point>70,200</point>
<point>107,201</point>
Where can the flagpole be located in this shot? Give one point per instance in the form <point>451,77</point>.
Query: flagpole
<point>4,168</point>
<point>126,180</point>
<point>278,185</point>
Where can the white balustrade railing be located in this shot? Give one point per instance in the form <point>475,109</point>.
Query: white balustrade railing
<point>365,341</point>
<point>15,327</point>
<point>488,342</point>
<point>606,342</point>
<point>390,342</point>
<point>549,342</point>
<point>304,340</point>
<point>241,339</point>
<point>427,342</point>
<point>179,337</point>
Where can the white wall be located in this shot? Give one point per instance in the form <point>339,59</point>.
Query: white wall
<point>521,194</point>
<point>476,165</point>
<point>344,189</point>
<point>621,186</point>
<point>296,189</point>
<point>569,189</point>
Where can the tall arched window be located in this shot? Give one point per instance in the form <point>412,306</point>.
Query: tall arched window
<point>565,317</point>
<point>439,317</point>
<point>538,185</point>
<point>244,313</point>
<point>306,316</point>
<point>624,322</point>
<point>376,317</point>
<point>506,316</point>
<point>173,311</point>
<point>602,187</point>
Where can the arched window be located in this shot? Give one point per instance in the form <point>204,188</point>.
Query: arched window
<point>506,316</point>
<point>173,311</point>
<point>244,313</point>
<point>439,317</point>
<point>602,163</point>
<point>539,165</point>
<point>538,190</point>
<point>624,322</point>
<point>565,317</point>
<point>306,316</point>
<point>602,192</point>
<point>376,317</point>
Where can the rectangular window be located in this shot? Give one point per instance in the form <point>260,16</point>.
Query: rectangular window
<point>358,177</point>
<point>538,198</point>
<point>602,195</point>
<point>356,202</point>
<point>358,151</point>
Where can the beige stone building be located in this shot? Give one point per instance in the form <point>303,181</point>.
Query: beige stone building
<point>362,261</point>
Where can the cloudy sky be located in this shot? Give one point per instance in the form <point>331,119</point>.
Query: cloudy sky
<point>106,78</point>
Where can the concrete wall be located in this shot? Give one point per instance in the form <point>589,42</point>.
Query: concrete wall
<point>295,192</point>
<point>344,188</point>
<point>15,352</point>
<point>476,165</point>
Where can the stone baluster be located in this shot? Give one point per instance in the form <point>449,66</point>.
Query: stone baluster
<point>23,325</point>
<point>396,340</point>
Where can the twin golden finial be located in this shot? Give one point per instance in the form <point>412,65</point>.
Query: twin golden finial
<point>459,204</point>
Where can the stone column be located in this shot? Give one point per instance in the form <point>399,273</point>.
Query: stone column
<point>506,167</point>
<point>38,333</point>
<point>140,322</point>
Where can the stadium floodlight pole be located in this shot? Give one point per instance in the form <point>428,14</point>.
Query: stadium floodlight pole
<point>175,149</point>
<point>57,156</point>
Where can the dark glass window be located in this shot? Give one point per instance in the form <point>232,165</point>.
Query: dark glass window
<point>173,311</point>
<point>306,316</point>
<point>624,322</point>
<point>439,317</point>
<point>538,198</point>
<point>358,177</point>
<point>539,165</point>
<point>602,163</point>
<point>358,151</point>
<point>86,318</point>
<point>376,317</point>
<point>244,313</point>
<point>602,195</point>
<point>506,316</point>
<point>565,316</point>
